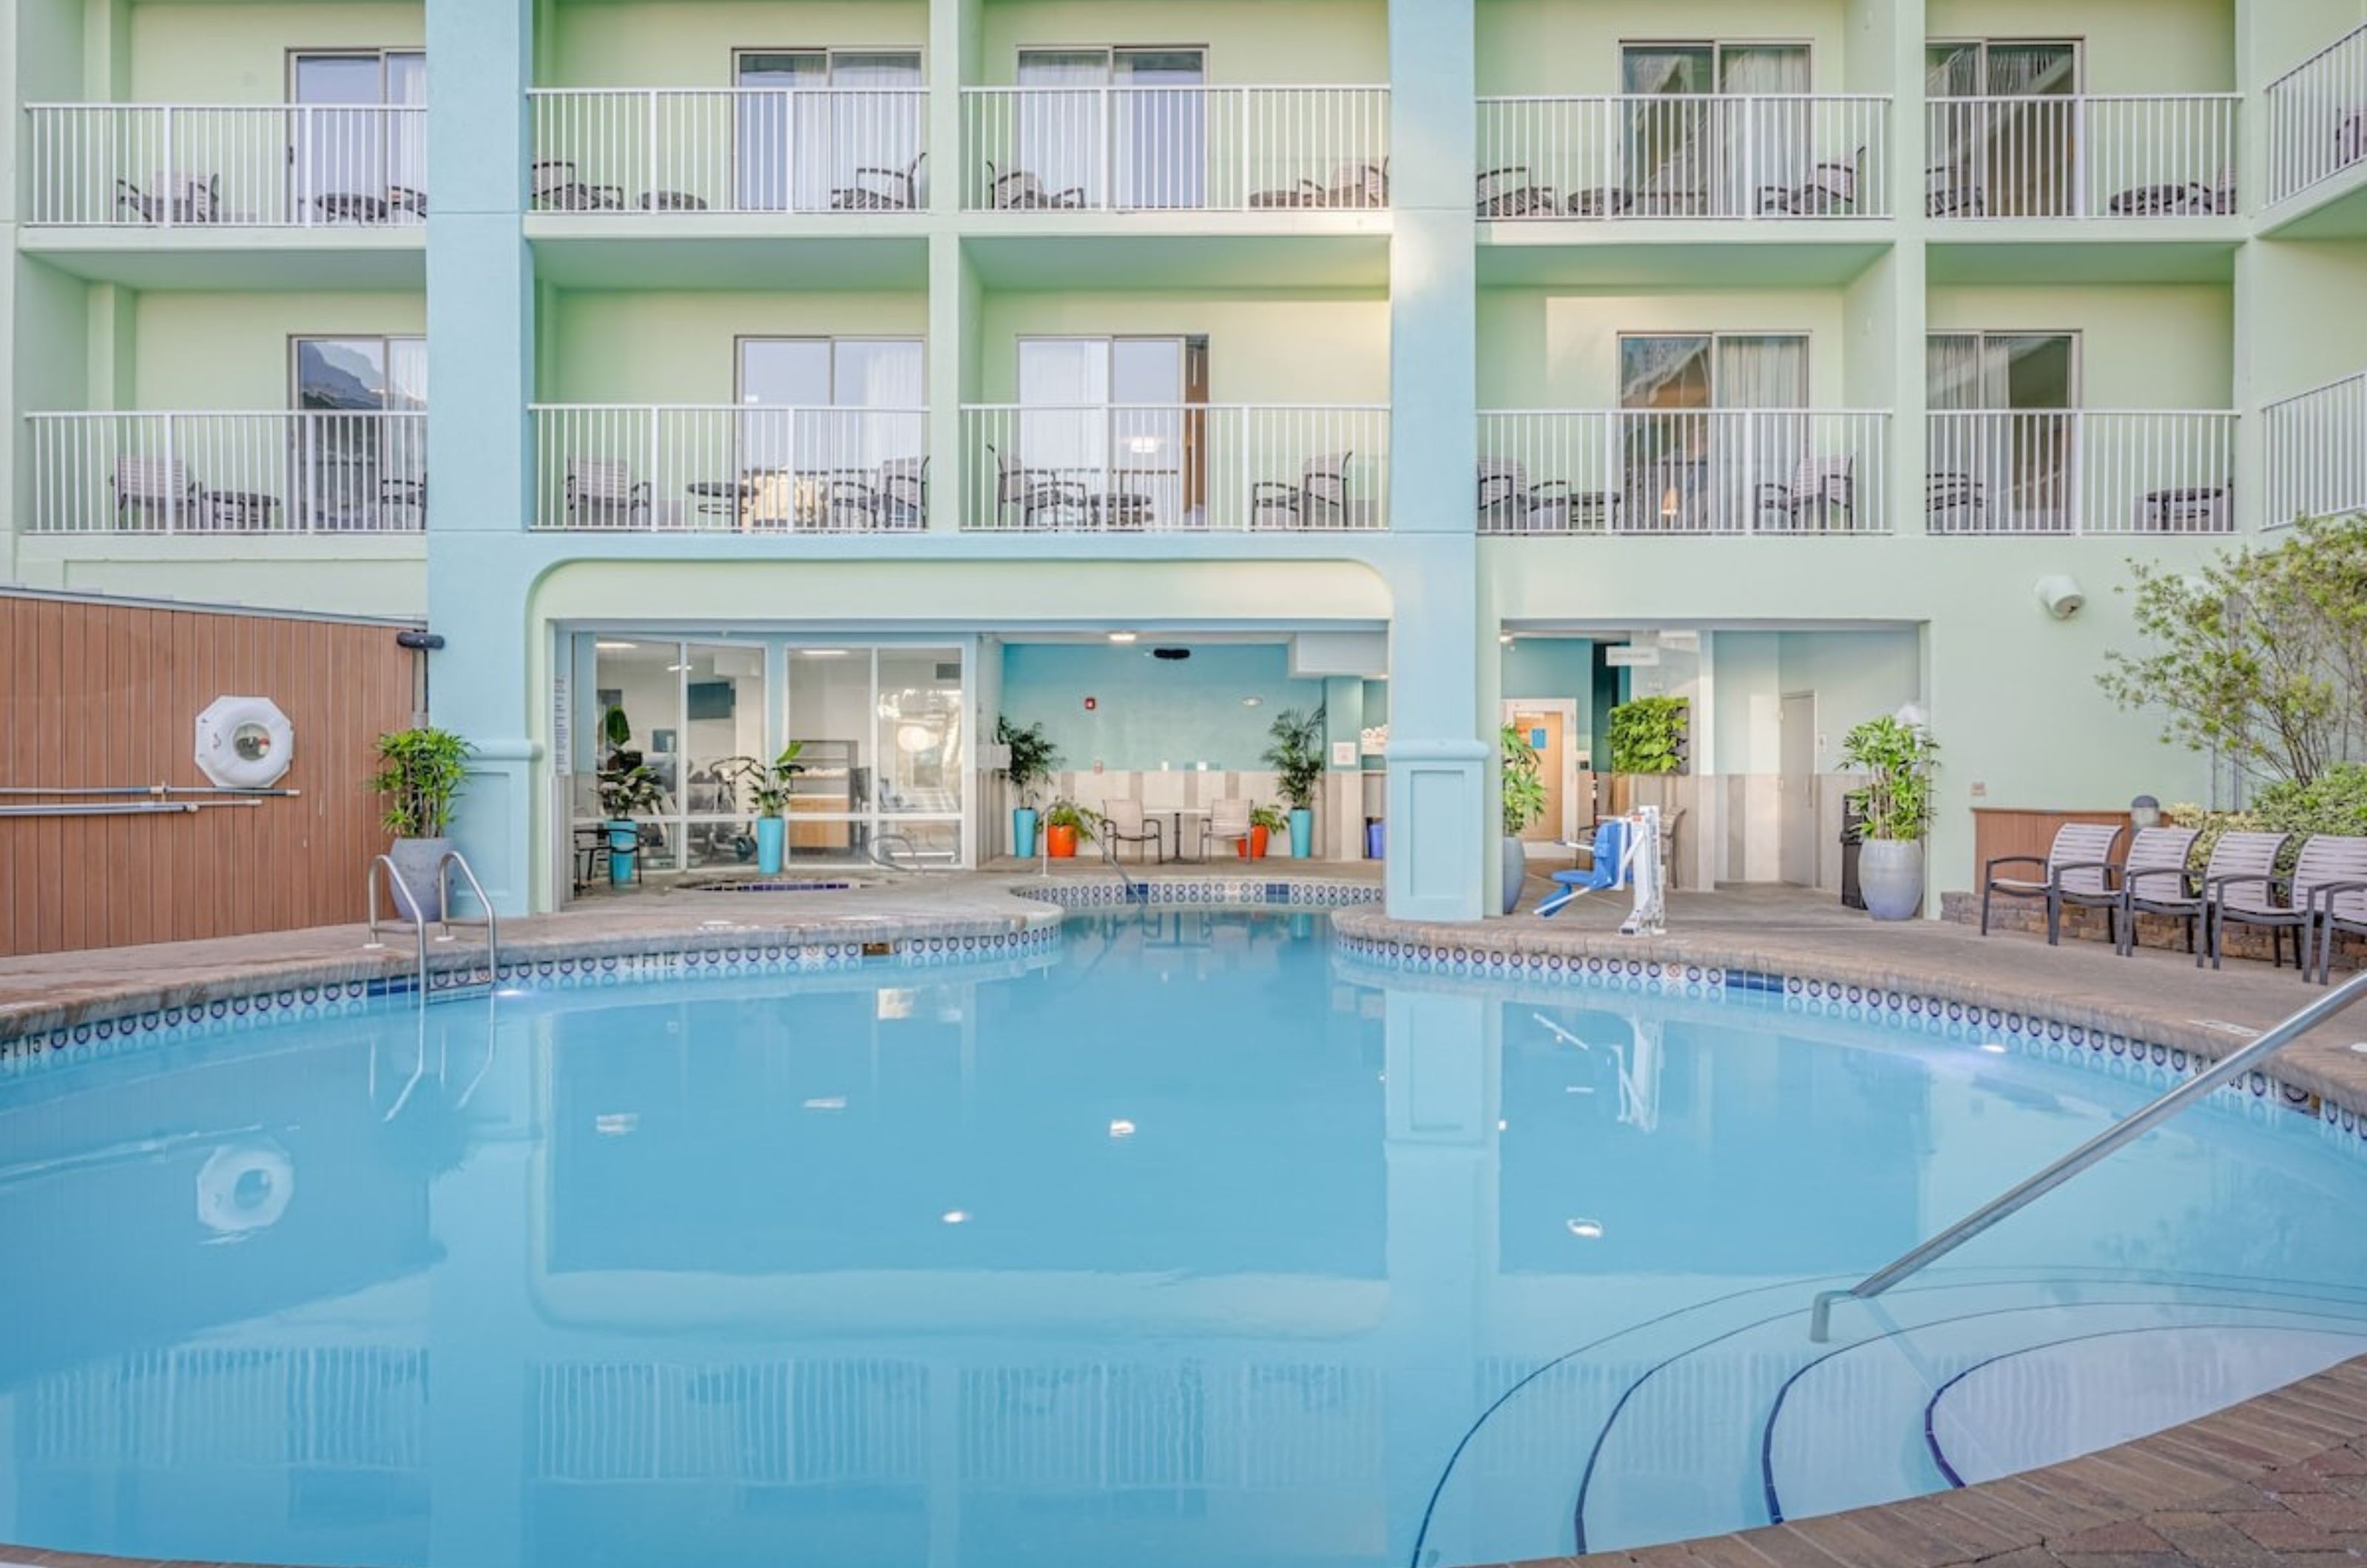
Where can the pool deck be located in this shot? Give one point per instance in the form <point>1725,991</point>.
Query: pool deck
<point>2277,1480</point>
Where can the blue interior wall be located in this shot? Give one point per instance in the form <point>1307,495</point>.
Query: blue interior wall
<point>1535,668</point>
<point>1149,711</point>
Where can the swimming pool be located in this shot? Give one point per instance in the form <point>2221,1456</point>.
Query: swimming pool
<point>1188,1239</point>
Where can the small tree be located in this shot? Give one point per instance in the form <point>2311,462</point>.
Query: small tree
<point>1897,757</point>
<point>2260,657</point>
<point>769,785</point>
<point>1522,785</point>
<point>419,775</point>
<point>1033,758</point>
<point>1297,755</point>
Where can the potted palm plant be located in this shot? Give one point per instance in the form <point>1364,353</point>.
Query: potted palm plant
<point>1033,759</point>
<point>419,775</point>
<point>630,788</point>
<point>1896,753</point>
<point>769,786</point>
<point>1522,786</point>
<point>1297,759</point>
<point>1264,823</point>
<point>1066,825</point>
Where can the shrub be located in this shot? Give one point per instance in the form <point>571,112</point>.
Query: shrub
<point>1647,736</point>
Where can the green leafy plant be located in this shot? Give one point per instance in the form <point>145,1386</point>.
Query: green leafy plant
<point>630,788</point>
<point>1067,813</point>
<point>617,728</point>
<point>2261,656</point>
<point>1522,783</point>
<point>1269,819</point>
<point>1647,736</point>
<point>1897,757</point>
<point>1297,755</point>
<point>1033,758</point>
<point>769,785</point>
<point>419,775</point>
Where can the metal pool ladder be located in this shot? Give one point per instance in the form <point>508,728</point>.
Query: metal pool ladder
<point>2112,1138</point>
<point>404,902</point>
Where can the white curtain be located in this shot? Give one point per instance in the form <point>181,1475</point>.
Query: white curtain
<point>1060,133</point>
<point>872,130</point>
<point>1064,391</point>
<point>1766,142</point>
<point>1760,373</point>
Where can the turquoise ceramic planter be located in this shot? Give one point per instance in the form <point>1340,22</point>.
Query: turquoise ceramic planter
<point>1023,832</point>
<point>624,845</point>
<point>1302,832</point>
<point>772,833</point>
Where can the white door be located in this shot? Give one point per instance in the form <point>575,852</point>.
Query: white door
<point>1798,788</point>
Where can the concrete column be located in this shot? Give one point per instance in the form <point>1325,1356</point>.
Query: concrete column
<point>480,342</point>
<point>948,351</point>
<point>1439,839</point>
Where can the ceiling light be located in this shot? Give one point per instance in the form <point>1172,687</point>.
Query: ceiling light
<point>1121,637</point>
<point>828,1102</point>
<point>1253,702</point>
<point>1586,1230</point>
<point>1121,1128</point>
<point>606,647</point>
<point>823,653</point>
<point>956,1216</point>
<point>615,1125</point>
<point>1505,639</point>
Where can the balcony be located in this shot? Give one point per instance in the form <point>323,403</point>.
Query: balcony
<point>182,166</point>
<point>1175,467</point>
<point>1180,149</point>
<point>2317,117</point>
<point>1792,472</point>
<point>1678,156</point>
<point>731,150</point>
<point>2056,471</point>
<point>2161,156</point>
<point>274,473</point>
<point>731,468</point>
<point>2317,452</point>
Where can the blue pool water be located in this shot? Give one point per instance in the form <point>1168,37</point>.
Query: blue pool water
<point>1190,1243</point>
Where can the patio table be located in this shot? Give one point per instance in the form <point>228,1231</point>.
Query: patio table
<point>1179,813</point>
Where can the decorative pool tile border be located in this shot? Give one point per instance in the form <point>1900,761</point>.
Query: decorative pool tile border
<point>1171,892</point>
<point>1476,961</point>
<point>339,998</point>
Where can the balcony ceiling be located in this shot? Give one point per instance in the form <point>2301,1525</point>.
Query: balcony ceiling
<point>1533,254</point>
<point>2333,212</point>
<point>598,255</point>
<point>236,260</point>
<point>2010,252</point>
<point>1199,262</point>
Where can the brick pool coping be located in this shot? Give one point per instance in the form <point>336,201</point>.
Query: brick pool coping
<point>2279,1479</point>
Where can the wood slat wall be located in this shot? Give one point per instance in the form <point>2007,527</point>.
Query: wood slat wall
<point>1999,832</point>
<point>98,693</point>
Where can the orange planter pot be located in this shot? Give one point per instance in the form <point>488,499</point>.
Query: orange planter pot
<point>1061,841</point>
<point>1252,848</point>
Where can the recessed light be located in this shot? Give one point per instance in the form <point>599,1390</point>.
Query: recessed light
<point>956,1216</point>
<point>617,1124</point>
<point>1253,702</point>
<point>827,1102</point>
<point>1505,639</point>
<point>1502,1125</point>
<point>606,647</point>
<point>823,653</point>
<point>1121,1128</point>
<point>1121,637</point>
<point>1585,1230</point>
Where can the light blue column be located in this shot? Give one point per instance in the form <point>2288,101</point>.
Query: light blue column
<point>1437,867</point>
<point>480,358</point>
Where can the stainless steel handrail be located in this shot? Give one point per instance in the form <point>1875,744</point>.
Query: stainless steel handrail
<point>493,925</point>
<point>2226,1071</point>
<point>402,899</point>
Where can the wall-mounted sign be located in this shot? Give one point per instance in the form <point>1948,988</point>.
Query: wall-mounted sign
<point>1343,753</point>
<point>1630,657</point>
<point>1684,641</point>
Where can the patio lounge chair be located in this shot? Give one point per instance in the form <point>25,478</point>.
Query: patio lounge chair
<point>2337,908</point>
<point>2154,880</point>
<point>889,190</point>
<point>2077,867</point>
<point>1228,822</point>
<point>1319,499</point>
<point>2250,898</point>
<point>1508,503</point>
<point>1832,186</point>
<point>1819,487</point>
<point>1124,823</point>
<point>172,198</point>
<point>1019,189</point>
<point>1508,192</point>
<point>1033,491</point>
<point>162,489</point>
<point>1951,192</point>
<point>602,493</point>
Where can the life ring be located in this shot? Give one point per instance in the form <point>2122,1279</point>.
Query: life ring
<point>244,1187</point>
<point>245,742</point>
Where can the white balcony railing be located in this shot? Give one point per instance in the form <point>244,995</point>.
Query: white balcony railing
<point>1773,155</point>
<point>2317,117</point>
<point>729,149</point>
<point>1788,471</point>
<point>2081,471</point>
<point>229,473</point>
<point>1166,149</point>
<point>726,467</point>
<point>1175,467</point>
<point>2317,452</point>
<point>2150,156</point>
<point>267,166</point>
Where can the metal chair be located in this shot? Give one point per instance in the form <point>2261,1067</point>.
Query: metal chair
<point>2328,861</point>
<point>605,485</point>
<point>1123,822</point>
<point>1228,822</point>
<point>1319,499</point>
<point>2154,880</point>
<point>2079,862</point>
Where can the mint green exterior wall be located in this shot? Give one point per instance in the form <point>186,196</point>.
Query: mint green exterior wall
<point>1419,307</point>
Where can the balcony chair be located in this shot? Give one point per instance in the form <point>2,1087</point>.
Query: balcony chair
<point>1953,192</point>
<point>672,202</point>
<point>2350,139</point>
<point>1319,499</point>
<point>1362,183</point>
<point>1819,487</point>
<point>1508,503</point>
<point>406,202</point>
<point>901,193</point>
<point>402,502</point>
<point>1024,190</point>
<point>1832,186</point>
<point>1228,822</point>
<point>895,499</point>
<point>2339,908</point>
<point>1306,193</point>
<point>2191,509</point>
<point>1124,823</point>
<point>1602,201</point>
<point>1956,503</point>
<point>2154,880</point>
<point>552,186</point>
<point>1032,492</point>
<point>162,490</point>
<point>2327,861</point>
<point>177,199</point>
<point>1508,192</point>
<point>2076,868</point>
<point>602,493</point>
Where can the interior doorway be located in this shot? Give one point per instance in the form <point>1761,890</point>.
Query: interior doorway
<point>1797,789</point>
<point>1550,726</point>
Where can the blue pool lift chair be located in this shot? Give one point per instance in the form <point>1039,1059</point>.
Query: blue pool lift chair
<point>1608,872</point>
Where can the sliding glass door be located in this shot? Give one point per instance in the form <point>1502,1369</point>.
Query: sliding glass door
<point>824,423</point>
<point>356,469</point>
<point>1117,417</point>
<point>2004,453</point>
<point>797,148</point>
<point>348,160</point>
<point>1145,147</point>
<point>1694,155</point>
<point>2004,135</point>
<point>1692,457</point>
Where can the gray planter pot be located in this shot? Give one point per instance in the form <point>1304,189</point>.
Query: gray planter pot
<point>1516,873</point>
<point>415,861</point>
<point>1890,874</point>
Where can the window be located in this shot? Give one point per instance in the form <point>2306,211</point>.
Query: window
<point>2004,127</point>
<point>2003,443</point>
<point>350,161</point>
<point>1150,139</point>
<point>801,149</point>
<point>1122,417</point>
<point>1694,156</point>
<point>1689,459</point>
<point>356,468</point>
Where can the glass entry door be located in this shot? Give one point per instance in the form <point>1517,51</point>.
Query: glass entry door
<point>356,469</point>
<point>798,148</point>
<point>2004,135</point>
<point>348,160</point>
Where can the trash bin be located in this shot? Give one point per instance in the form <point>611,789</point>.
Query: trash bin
<point>1373,832</point>
<point>1853,836</point>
